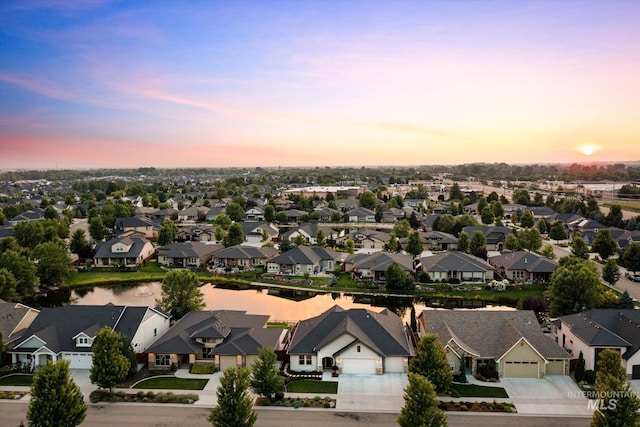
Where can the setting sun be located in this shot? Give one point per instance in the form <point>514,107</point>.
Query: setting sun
<point>588,149</point>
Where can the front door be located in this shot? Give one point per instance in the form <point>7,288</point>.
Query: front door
<point>327,362</point>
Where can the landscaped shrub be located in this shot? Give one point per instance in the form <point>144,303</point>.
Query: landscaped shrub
<point>203,368</point>
<point>296,404</point>
<point>590,376</point>
<point>327,405</point>
<point>279,395</point>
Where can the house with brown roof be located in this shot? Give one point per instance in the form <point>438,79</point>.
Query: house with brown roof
<point>509,343</point>
<point>15,318</point>
<point>456,267</point>
<point>187,254</point>
<point>523,266</point>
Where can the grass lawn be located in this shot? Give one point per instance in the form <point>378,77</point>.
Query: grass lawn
<point>473,390</point>
<point>20,380</point>
<point>148,273</point>
<point>631,205</point>
<point>313,386</point>
<point>172,383</point>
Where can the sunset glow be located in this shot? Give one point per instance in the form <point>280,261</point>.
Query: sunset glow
<point>272,83</point>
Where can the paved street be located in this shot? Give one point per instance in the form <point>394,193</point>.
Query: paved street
<point>181,416</point>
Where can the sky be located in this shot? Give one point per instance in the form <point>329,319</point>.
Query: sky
<point>168,84</point>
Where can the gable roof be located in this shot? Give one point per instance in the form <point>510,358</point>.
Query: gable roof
<point>382,332</point>
<point>103,250</point>
<point>11,314</point>
<point>245,252</point>
<point>380,261</point>
<point>523,260</point>
<point>607,327</point>
<point>494,234</point>
<point>188,250</point>
<point>58,326</point>
<point>305,255</point>
<point>219,324</point>
<point>490,334</point>
<point>454,261</point>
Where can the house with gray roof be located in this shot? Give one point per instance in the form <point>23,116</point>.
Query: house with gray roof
<point>366,239</point>
<point>123,252</point>
<point>495,235</point>
<point>140,224</point>
<point>456,267</point>
<point>355,341</point>
<point>187,254</point>
<point>309,231</point>
<point>361,214</point>
<point>511,342</point>
<point>373,266</point>
<point>35,214</point>
<point>258,233</point>
<point>436,241</point>
<point>304,259</point>
<point>253,214</point>
<point>244,256</point>
<point>226,338</point>
<point>15,318</point>
<point>196,233</point>
<point>596,330</point>
<point>68,332</point>
<point>523,266</point>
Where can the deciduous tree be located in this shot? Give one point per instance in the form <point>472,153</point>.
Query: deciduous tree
<point>414,244</point>
<point>579,248</point>
<point>631,257</point>
<point>603,244</point>
<point>52,262</point>
<point>397,279</point>
<point>463,242</point>
<point>181,293</point>
<point>477,241</point>
<point>110,367</point>
<point>8,285</point>
<point>610,271</point>
<point>557,231</point>
<point>575,287</point>
<point>235,406</point>
<point>235,235</point>
<point>56,400</point>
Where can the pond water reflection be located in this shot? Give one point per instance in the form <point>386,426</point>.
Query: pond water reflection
<point>279,304</point>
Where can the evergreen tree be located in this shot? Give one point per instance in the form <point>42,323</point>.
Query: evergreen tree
<point>265,378</point>
<point>431,362</point>
<point>420,404</point>
<point>626,301</point>
<point>477,241</point>
<point>619,404</point>
<point>56,400</point>
<point>110,366</point>
<point>181,293</point>
<point>578,374</point>
<point>235,406</point>
<point>455,193</point>
<point>78,241</point>
<point>610,271</point>
<point>235,235</point>
<point>349,246</point>
<point>527,220</point>
<point>392,244</point>
<point>486,215</point>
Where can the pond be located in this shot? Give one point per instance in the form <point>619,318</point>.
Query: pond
<point>280,304</point>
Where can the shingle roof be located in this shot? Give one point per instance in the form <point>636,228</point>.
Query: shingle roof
<point>493,234</point>
<point>244,252</point>
<point>188,250</point>
<point>11,314</point>
<point>523,260</point>
<point>181,337</point>
<point>305,255</point>
<point>489,334</point>
<point>380,261</point>
<point>607,327</point>
<point>454,261</point>
<point>103,250</point>
<point>382,332</point>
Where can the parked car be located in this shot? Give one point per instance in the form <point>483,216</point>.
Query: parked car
<point>634,277</point>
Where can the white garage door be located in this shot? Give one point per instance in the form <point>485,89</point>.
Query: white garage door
<point>79,360</point>
<point>521,369</point>
<point>358,366</point>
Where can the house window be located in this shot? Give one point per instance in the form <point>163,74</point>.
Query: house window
<point>83,342</point>
<point>305,359</point>
<point>358,349</point>
<point>163,359</point>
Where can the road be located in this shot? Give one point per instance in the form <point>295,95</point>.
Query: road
<point>180,416</point>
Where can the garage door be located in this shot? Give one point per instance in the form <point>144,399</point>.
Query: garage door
<point>555,367</point>
<point>79,360</point>
<point>521,369</point>
<point>358,366</point>
<point>635,372</point>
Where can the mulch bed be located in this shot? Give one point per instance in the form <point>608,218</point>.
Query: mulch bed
<point>477,406</point>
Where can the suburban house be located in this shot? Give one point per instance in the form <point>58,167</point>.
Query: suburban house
<point>258,233</point>
<point>214,213</point>
<point>309,231</point>
<point>69,332</point>
<point>588,229</point>
<point>523,266</point>
<point>361,215</point>
<point>244,256</point>
<point>303,259</point>
<point>355,341</point>
<point>456,266</point>
<point>193,214</point>
<point>326,213</point>
<point>123,252</point>
<point>30,215</point>
<point>366,239</point>
<point>294,215</point>
<point>196,233</point>
<point>254,214</point>
<point>15,318</point>
<point>436,241</point>
<point>511,342</point>
<point>373,266</point>
<point>494,234</point>
<point>140,224</point>
<point>226,338</point>
<point>595,330</point>
<point>187,254</point>
<point>624,237</point>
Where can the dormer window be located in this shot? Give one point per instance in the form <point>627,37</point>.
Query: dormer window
<point>83,341</point>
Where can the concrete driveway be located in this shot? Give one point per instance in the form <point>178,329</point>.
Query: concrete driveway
<point>364,392</point>
<point>554,395</point>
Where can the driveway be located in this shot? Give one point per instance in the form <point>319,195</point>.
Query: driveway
<point>365,392</point>
<point>81,378</point>
<point>554,395</point>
